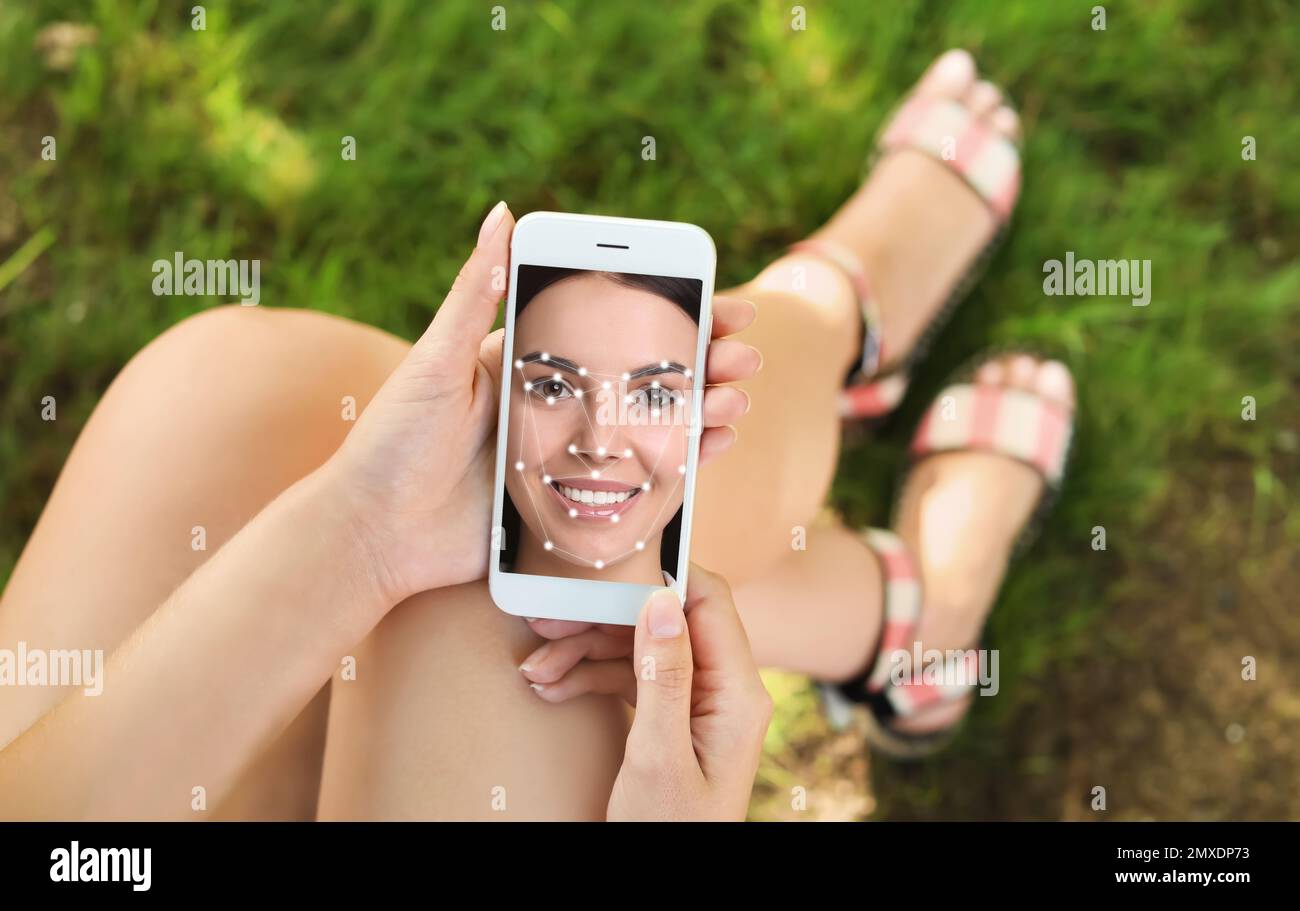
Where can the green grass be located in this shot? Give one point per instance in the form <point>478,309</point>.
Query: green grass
<point>225,143</point>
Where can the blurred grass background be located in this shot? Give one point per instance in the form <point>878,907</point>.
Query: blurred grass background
<point>1121,668</point>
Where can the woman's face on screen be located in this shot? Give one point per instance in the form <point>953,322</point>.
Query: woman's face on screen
<point>599,409</point>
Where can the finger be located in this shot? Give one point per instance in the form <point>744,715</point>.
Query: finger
<point>723,405</point>
<point>714,441</point>
<point>489,355</point>
<point>470,308</point>
<point>555,659</point>
<point>730,361</point>
<point>606,678</point>
<point>558,629</point>
<point>731,315</point>
<point>717,635</point>
<point>664,671</point>
<point>730,688</point>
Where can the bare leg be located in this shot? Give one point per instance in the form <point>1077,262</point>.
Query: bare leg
<point>200,431</point>
<point>439,724</point>
<point>915,227</point>
<point>817,611</point>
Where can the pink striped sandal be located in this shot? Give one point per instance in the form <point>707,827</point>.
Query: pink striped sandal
<point>969,415</point>
<point>945,129</point>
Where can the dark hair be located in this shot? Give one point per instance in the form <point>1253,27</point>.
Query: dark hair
<point>685,293</point>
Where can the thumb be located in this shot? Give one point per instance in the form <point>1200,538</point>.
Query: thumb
<point>489,355</point>
<point>470,308</point>
<point>664,669</point>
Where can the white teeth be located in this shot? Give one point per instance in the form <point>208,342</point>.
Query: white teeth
<point>594,497</point>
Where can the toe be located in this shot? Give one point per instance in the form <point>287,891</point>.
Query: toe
<point>1053,381</point>
<point>951,75</point>
<point>1007,122</point>
<point>1020,371</point>
<point>990,373</point>
<point>983,98</point>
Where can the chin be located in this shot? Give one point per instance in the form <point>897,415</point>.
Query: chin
<point>608,552</point>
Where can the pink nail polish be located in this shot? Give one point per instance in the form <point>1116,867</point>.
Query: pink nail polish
<point>491,223</point>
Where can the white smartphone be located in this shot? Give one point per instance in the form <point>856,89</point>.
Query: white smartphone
<point>606,333</point>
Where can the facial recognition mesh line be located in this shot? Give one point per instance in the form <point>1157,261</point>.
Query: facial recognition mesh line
<point>604,383</point>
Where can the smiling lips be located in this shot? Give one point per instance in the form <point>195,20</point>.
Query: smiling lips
<point>592,499</point>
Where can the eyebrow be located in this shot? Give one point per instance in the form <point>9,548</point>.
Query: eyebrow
<point>567,365</point>
<point>561,362</point>
<point>657,369</point>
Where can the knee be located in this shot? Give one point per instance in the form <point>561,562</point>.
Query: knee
<point>455,627</point>
<point>253,345</point>
<point>256,374</point>
<point>810,282</point>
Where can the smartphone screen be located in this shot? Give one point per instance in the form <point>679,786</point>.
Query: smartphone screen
<point>600,415</point>
<point>606,335</point>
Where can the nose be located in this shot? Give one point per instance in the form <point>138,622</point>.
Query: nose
<point>598,447</point>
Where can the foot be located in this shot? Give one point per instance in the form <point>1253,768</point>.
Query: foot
<point>960,515</point>
<point>915,225</point>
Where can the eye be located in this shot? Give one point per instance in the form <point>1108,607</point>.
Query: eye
<point>657,397</point>
<point>551,389</point>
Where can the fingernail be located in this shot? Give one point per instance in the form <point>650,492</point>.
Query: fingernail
<point>530,619</point>
<point>760,357</point>
<point>491,222</point>
<point>665,620</point>
<point>535,658</point>
<point>749,402</point>
<point>536,687</point>
<point>735,434</point>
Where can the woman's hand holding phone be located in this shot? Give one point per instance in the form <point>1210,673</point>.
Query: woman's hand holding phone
<point>417,467</point>
<point>701,708</point>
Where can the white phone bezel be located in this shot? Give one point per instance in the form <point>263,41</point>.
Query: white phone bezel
<point>662,248</point>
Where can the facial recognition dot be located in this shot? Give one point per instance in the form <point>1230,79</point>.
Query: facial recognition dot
<point>640,545</point>
<point>654,412</point>
<point>550,400</point>
<point>528,387</point>
<point>572,449</point>
<point>626,377</point>
<point>573,514</point>
<point>595,474</point>
<point>600,450</point>
<point>600,564</point>
<point>605,385</point>
<point>663,365</point>
<point>627,453</point>
<point>614,517</point>
<point>654,385</point>
<point>546,355</point>
<point>546,479</point>
<point>688,374</point>
<point>645,485</point>
<point>548,545</point>
<point>681,469</point>
<point>577,393</point>
<point>555,376</point>
<point>519,365</point>
<point>519,466</point>
<point>582,371</point>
